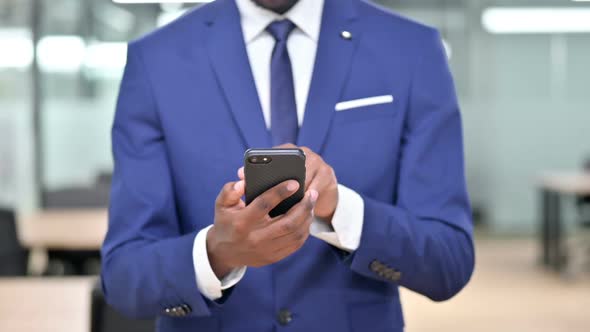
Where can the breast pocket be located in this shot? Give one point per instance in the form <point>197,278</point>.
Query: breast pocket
<point>364,109</point>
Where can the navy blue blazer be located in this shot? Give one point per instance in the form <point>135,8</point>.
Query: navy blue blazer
<point>187,111</point>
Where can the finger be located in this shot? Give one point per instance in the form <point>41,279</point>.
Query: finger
<point>312,163</point>
<point>231,194</point>
<point>315,183</point>
<point>286,146</point>
<point>301,231</point>
<point>321,179</point>
<point>241,174</point>
<point>309,154</point>
<point>289,244</point>
<point>307,150</point>
<point>311,174</point>
<point>293,219</point>
<point>313,168</point>
<point>263,204</point>
<point>265,221</point>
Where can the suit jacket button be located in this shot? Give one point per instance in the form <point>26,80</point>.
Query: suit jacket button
<point>187,309</point>
<point>376,266</point>
<point>284,317</point>
<point>389,274</point>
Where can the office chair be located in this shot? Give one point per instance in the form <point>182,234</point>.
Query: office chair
<point>13,257</point>
<point>579,244</point>
<point>105,319</point>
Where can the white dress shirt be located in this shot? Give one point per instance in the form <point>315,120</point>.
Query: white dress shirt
<point>347,221</point>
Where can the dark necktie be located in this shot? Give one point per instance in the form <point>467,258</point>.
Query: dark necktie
<point>283,108</point>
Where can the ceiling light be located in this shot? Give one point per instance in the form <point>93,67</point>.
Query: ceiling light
<point>19,42</point>
<point>64,54</point>
<point>106,56</point>
<point>161,1</point>
<point>529,20</point>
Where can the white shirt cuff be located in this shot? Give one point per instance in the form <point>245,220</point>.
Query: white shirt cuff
<point>347,222</point>
<point>207,282</point>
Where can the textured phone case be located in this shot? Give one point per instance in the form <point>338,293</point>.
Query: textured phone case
<point>261,177</point>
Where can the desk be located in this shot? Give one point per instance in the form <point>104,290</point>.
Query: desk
<point>552,187</point>
<point>51,304</point>
<point>64,229</point>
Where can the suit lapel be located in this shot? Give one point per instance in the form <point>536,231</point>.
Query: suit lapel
<point>229,58</point>
<point>332,65</point>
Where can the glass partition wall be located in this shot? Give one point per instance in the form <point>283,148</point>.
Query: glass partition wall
<point>81,52</point>
<point>16,59</point>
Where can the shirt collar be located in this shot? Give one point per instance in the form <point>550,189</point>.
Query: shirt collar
<point>306,15</point>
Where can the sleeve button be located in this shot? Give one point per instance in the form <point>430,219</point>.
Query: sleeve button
<point>376,266</point>
<point>187,309</point>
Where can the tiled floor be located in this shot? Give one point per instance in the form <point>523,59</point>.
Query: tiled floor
<point>508,292</point>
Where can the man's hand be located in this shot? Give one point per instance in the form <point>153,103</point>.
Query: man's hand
<point>319,177</point>
<point>247,236</point>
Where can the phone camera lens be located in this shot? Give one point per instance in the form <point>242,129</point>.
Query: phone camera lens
<point>260,160</point>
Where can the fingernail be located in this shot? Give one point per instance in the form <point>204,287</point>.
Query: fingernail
<point>313,195</point>
<point>292,186</point>
<point>238,185</point>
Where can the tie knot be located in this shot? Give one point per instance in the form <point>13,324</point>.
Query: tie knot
<point>280,30</point>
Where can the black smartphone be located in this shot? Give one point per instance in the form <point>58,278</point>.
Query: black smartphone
<point>265,168</point>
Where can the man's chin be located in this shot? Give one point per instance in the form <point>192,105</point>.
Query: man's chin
<point>279,6</point>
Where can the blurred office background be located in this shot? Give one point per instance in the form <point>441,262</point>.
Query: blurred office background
<point>524,96</point>
<point>522,70</point>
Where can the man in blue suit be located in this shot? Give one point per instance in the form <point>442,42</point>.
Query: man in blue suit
<point>365,92</point>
